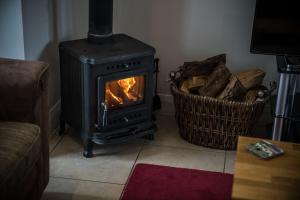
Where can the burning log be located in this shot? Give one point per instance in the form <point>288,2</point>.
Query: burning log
<point>111,100</point>
<point>127,88</point>
<point>216,81</point>
<point>123,91</point>
<point>112,95</point>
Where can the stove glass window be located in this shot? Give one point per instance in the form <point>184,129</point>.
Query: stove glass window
<point>124,92</point>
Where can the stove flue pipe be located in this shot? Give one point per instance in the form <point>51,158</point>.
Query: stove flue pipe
<point>100,19</point>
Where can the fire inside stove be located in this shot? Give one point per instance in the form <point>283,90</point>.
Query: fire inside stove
<point>124,91</point>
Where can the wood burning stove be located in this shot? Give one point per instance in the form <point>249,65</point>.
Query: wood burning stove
<point>107,87</point>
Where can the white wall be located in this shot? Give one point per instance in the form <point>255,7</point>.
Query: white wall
<point>28,30</point>
<point>186,30</point>
<point>180,30</point>
<point>11,29</point>
<point>36,24</point>
<point>72,17</point>
<point>41,39</point>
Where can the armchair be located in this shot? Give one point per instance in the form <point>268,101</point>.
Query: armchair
<point>24,148</point>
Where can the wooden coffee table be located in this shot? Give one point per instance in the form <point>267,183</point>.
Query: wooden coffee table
<point>278,178</point>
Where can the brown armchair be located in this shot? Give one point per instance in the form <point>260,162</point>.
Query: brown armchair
<point>24,148</point>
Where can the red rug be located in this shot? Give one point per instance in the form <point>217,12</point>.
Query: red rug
<point>153,182</point>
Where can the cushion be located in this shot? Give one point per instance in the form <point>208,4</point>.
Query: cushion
<point>19,150</point>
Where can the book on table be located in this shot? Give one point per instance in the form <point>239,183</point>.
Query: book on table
<point>264,149</point>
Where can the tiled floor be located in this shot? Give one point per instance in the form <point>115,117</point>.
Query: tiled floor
<point>103,177</point>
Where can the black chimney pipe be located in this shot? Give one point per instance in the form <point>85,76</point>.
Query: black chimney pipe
<point>100,19</point>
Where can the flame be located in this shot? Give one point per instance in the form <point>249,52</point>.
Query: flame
<point>123,91</point>
<point>127,84</point>
<point>118,99</point>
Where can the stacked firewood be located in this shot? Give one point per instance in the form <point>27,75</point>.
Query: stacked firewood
<point>212,78</point>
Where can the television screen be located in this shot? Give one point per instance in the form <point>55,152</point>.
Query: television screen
<point>276,28</point>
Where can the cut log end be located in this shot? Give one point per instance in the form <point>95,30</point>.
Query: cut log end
<point>251,78</point>
<point>216,81</point>
<point>233,91</point>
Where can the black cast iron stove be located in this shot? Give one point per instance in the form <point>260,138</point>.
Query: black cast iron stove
<point>106,83</point>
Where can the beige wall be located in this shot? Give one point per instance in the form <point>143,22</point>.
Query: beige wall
<point>185,30</point>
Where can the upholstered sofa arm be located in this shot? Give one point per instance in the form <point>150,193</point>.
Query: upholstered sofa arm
<point>23,91</point>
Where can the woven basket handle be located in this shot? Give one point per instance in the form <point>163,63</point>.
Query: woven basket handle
<point>267,92</point>
<point>174,76</point>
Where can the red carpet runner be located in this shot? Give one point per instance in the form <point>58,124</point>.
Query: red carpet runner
<point>153,182</point>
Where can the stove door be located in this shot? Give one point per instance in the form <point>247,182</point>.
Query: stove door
<point>124,98</point>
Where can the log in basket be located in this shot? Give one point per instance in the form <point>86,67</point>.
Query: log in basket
<point>212,122</point>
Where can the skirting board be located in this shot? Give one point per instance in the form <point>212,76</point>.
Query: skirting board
<point>54,115</point>
<point>167,105</point>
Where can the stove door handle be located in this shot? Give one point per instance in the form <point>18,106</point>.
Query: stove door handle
<point>104,116</point>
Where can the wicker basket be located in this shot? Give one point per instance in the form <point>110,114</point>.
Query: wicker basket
<point>211,122</point>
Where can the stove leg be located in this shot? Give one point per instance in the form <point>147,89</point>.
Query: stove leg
<point>88,148</point>
<point>149,137</point>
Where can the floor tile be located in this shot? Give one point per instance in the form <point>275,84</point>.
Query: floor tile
<point>168,135</point>
<point>185,158</point>
<point>167,106</point>
<point>112,163</point>
<point>67,189</point>
<point>54,139</point>
<point>230,161</point>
